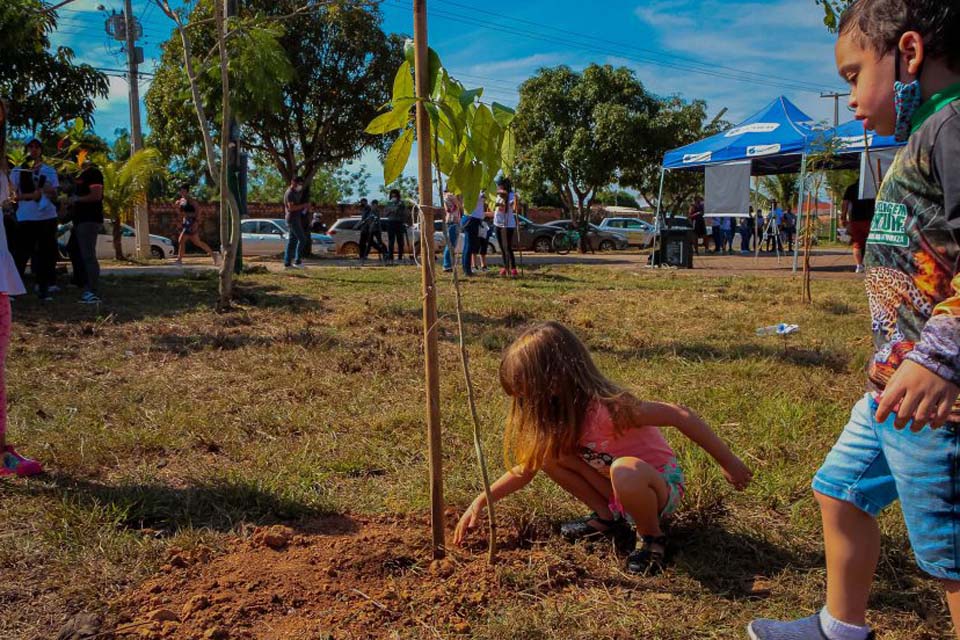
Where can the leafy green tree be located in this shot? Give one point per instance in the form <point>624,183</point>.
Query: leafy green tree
<point>406,185</point>
<point>125,184</point>
<point>784,188</point>
<point>335,74</point>
<point>351,184</point>
<point>574,130</point>
<point>267,185</point>
<point>45,88</point>
<point>471,142</point>
<point>617,197</point>
<point>832,9</point>
<point>675,124</point>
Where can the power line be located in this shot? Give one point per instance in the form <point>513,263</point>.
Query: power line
<point>656,52</point>
<point>660,60</point>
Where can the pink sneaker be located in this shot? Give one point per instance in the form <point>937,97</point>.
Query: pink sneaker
<point>514,273</point>
<point>503,271</point>
<point>14,464</point>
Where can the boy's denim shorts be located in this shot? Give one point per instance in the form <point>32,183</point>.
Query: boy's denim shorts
<point>874,464</point>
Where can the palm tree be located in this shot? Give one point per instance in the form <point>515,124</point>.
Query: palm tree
<point>782,188</point>
<point>125,184</point>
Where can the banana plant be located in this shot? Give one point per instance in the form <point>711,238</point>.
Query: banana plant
<point>472,142</point>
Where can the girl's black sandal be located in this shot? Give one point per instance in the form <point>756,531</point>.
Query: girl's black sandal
<point>617,529</point>
<point>649,559</point>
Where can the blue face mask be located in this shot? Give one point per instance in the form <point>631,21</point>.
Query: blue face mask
<point>907,100</point>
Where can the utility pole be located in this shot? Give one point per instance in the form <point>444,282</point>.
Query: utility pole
<point>132,29</point>
<point>427,258</point>
<point>836,123</point>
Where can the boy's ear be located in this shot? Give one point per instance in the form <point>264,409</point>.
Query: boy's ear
<point>912,52</point>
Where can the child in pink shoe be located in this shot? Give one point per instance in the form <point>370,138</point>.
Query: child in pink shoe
<point>11,462</point>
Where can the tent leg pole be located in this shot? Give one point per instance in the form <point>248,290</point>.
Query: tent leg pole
<point>800,214</point>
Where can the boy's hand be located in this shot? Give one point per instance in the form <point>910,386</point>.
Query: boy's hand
<point>468,520</point>
<point>919,395</point>
<point>737,474</point>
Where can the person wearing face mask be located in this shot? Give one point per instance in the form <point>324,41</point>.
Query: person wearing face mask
<point>293,208</point>
<point>396,214</point>
<point>901,59</point>
<point>36,187</point>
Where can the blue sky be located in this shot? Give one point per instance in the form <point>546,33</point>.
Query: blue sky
<point>737,54</point>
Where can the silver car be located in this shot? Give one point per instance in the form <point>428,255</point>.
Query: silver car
<point>639,233</point>
<point>346,236</point>
<point>268,237</point>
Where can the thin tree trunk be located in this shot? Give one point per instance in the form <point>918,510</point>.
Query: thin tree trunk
<point>468,379</point>
<point>117,239</point>
<point>229,209</point>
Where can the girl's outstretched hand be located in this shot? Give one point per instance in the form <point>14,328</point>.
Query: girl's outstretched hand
<point>468,520</point>
<point>737,473</point>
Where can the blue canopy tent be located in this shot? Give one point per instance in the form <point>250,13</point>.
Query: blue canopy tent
<point>775,140</point>
<point>853,141</point>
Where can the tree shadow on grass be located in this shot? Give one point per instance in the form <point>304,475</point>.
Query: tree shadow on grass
<point>218,505</point>
<point>833,360</point>
<point>135,298</point>
<point>185,344</point>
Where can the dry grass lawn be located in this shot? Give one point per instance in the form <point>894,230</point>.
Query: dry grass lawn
<point>163,423</point>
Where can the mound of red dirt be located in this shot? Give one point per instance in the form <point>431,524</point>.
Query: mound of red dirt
<point>336,578</point>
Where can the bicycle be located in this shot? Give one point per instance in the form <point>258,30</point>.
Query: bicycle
<point>564,243</point>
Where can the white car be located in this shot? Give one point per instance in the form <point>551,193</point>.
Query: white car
<point>160,247</point>
<point>346,236</point>
<point>268,237</point>
<point>638,232</point>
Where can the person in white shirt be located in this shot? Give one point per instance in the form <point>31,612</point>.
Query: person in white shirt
<point>36,188</point>
<point>11,462</point>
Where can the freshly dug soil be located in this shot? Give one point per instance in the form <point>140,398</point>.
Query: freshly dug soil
<point>334,578</point>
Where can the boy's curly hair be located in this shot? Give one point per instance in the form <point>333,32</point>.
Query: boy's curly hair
<point>881,23</point>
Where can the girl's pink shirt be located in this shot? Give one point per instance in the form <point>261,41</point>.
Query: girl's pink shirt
<point>601,444</point>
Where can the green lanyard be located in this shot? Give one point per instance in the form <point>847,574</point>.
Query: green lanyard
<point>936,102</point>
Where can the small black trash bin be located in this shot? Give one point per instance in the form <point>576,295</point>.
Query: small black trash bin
<point>675,246</point>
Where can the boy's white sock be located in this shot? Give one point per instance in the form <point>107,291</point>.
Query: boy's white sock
<point>836,630</point>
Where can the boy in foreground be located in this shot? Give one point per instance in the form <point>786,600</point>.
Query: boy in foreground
<point>902,61</point>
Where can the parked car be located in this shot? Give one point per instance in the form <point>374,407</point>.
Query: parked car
<point>600,239</point>
<point>536,237</point>
<point>346,236</point>
<point>268,237</point>
<point>160,247</point>
<point>639,233</point>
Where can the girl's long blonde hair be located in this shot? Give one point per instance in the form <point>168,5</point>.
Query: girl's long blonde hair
<point>552,379</point>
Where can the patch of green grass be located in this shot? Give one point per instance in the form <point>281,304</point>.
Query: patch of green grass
<point>164,423</point>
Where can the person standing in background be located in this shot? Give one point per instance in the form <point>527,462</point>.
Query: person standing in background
<point>293,208</point>
<point>396,225</point>
<point>453,210</point>
<point>471,235</point>
<point>856,215</point>
<point>36,185</point>
<point>695,214</point>
<point>746,232</point>
<point>87,206</point>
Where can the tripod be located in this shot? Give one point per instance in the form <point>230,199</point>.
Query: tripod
<point>771,230</point>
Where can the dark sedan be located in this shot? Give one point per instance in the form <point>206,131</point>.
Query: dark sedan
<point>600,240</point>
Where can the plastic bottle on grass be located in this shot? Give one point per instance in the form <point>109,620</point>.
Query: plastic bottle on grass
<point>782,329</point>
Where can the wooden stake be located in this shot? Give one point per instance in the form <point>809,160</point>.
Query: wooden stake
<point>430,348</point>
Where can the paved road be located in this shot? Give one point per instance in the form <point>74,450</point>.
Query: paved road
<point>825,264</point>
